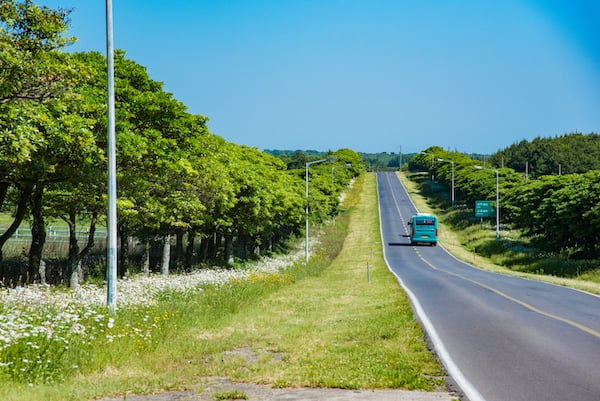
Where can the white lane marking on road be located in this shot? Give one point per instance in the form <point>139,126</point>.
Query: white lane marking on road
<point>454,371</point>
<point>524,304</point>
<point>515,300</point>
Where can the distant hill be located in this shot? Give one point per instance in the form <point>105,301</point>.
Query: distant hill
<point>374,161</point>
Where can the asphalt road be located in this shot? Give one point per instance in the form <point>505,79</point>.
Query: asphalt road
<point>501,338</point>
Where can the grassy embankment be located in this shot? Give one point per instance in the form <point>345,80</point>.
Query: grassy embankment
<point>477,245</point>
<point>322,324</point>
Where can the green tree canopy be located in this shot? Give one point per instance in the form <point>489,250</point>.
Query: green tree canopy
<point>565,154</point>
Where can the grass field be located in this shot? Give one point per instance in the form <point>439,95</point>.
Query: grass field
<point>339,321</point>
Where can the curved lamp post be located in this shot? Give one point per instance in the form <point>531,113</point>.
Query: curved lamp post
<point>452,162</point>
<point>331,159</point>
<point>432,164</point>
<point>432,155</point>
<point>334,167</point>
<point>497,199</point>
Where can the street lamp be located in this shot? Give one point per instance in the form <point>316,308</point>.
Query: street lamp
<point>400,160</point>
<point>334,167</point>
<point>331,159</point>
<point>452,162</point>
<point>432,164</point>
<point>432,155</point>
<point>497,199</point>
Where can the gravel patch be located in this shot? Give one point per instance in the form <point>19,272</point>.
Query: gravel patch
<point>255,392</point>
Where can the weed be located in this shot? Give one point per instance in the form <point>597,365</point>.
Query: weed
<point>230,395</point>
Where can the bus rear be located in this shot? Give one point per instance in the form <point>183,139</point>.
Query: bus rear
<point>423,229</point>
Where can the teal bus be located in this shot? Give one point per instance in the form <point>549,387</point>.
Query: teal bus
<point>423,229</point>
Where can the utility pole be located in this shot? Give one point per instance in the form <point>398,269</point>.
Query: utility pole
<point>400,159</point>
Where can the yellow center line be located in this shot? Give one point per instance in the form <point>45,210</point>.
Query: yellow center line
<point>515,300</point>
<point>532,308</point>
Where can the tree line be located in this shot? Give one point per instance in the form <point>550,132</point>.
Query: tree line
<point>216,199</point>
<point>564,154</point>
<point>559,213</point>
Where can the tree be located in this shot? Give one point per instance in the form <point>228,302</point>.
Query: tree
<point>30,67</point>
<point>559,212</point>
<point>32,73</point>
<point>63,144</point>
<point>566,154</point>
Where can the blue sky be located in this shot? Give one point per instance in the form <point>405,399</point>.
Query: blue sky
<point>370,75</point>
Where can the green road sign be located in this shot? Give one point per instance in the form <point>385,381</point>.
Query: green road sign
<point>484,208</point>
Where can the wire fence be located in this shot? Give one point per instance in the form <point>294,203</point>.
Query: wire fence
<point>53,233</point>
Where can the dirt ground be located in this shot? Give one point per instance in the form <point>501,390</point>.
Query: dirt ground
<point>220,386</point>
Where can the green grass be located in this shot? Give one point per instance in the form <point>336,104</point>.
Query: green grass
<point>329,327</point>
<point>475,243</point>
<point>322,324</point>
<point>230,395</point>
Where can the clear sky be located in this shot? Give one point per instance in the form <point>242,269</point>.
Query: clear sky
<point>370,75</point>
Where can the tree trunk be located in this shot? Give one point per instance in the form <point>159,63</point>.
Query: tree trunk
<point>268,241</point>
<point>218,245</point>
<point>146,258</point>
<point>179,249</point>
<point>211,247</point>
<point>228,254</point>
<point>203,251</point>
<point>73,250</point>
<point>241,246</point>
<point>42,271</point>
<point>75,276</point>
<point>256,248</point>
<point>76,254</point>
<point>3,191</point>
<point>72,259</point>
<point>123,266</point>
<point>189,249</point>
<point>276,240</point>
<point>38,234</point>
<point>25,194</point>
<point>166,255</point>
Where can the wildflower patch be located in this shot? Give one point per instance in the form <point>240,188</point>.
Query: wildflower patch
<point>47,334</point>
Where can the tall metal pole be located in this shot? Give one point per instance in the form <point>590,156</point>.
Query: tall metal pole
<point>497,197</point>
<point>453,197</point>
<point>111,243</point>
<point>452,193</point>
<point>432,165</point>
<point>400,160</point>
<point>334,167</point>
<point>497,207</point>
<point>330,159</point>
<point>306,232</point>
